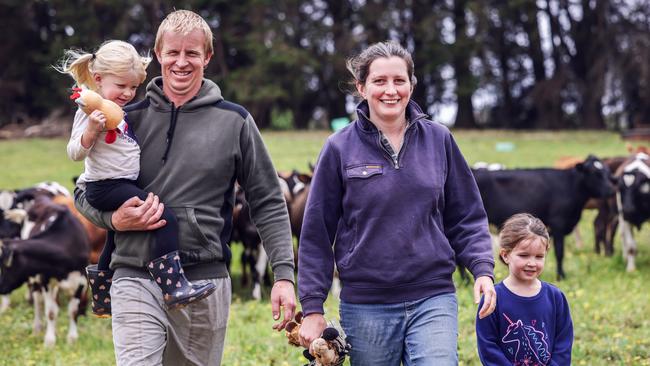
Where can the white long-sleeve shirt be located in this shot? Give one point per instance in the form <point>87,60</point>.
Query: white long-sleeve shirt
<point>119,160</point>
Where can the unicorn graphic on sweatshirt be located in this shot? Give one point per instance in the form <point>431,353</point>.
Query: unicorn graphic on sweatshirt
<point>529,344</point>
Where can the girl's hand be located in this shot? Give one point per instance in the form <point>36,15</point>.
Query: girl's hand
<point>95,126</point>
<point>96,123</point>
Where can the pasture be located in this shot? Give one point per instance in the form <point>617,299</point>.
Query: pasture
<point>610,308</point>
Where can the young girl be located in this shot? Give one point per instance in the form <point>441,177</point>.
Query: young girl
<point>112,166</point>
<point>532,323</point>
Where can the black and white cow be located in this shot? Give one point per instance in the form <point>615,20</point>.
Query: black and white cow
<point>633,202</point>
<point>53,258</point>
<point>556,196</point>
<point>24,199</point>
<point>14,221</point>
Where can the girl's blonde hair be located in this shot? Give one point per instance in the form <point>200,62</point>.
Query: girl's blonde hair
<point>112,57</point>
<point>521,227</point>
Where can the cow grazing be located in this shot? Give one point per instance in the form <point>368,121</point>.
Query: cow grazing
<point>53,258</point>
<point>633,202</point>
<point>555,196</point>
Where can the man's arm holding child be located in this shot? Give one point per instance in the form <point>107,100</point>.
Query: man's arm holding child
<point>133,215</point>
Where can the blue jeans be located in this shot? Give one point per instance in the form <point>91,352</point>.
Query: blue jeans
<point>421,332</point>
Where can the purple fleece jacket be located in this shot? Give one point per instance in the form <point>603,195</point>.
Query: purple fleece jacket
<point>398,223</point>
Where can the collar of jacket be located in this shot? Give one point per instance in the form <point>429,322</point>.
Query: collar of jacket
<point>413,113</point>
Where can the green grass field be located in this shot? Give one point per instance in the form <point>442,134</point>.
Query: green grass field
<point>610,307</point>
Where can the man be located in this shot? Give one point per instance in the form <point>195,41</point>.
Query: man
<point>195,145</point>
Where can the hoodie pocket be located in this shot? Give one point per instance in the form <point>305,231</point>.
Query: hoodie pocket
<point>195,244</point>
<point>196,228</point>
<point>364,171</point>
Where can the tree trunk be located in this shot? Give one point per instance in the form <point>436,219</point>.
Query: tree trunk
<point>464,79</point>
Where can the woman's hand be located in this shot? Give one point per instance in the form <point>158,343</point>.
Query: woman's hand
<point>311,328</point>
<point>484,285</point>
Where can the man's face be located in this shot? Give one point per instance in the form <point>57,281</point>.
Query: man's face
<point>182,59</point>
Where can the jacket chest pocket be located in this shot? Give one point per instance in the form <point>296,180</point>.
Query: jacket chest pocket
<point>363,171</point>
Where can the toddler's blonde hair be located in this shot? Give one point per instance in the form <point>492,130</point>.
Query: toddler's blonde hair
<point>112,58</point>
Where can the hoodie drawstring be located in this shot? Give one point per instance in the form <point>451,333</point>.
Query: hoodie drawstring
<point>170,131</point>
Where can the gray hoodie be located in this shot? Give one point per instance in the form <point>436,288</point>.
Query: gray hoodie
<point>191,157</point>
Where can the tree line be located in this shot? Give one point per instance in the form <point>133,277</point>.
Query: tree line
<point>521,64</point>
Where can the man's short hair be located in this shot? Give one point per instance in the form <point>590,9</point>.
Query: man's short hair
<point>183,22</point>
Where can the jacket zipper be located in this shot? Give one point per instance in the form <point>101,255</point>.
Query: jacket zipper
<point>395,157</point>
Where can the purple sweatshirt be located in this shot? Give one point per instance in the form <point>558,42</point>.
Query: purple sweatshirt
<point>535,331</point>
<point>397,222</point>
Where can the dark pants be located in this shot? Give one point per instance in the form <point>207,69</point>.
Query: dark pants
<point>108,195</point>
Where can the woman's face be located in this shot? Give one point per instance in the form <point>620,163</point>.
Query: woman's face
<point>387,89</point>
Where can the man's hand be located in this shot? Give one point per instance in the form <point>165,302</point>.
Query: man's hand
<point>311,328</point>
<point>283,296</point>
<point>483,285</point>
<point>138,215</point>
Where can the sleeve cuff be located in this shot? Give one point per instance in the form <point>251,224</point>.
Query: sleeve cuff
<point>312,306</point>
<point>483,269</point>
<point>107,217</point>
<point>283,272</point>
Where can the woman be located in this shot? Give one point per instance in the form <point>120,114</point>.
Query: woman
<point>394,194</point>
